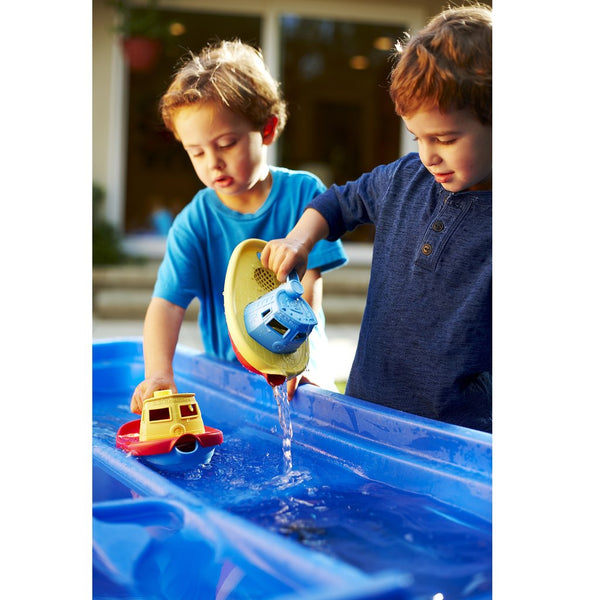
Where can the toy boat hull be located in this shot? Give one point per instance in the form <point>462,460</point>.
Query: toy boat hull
<point>178,453</point>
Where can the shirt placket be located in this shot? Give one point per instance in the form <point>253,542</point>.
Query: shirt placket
<point>440,229</point>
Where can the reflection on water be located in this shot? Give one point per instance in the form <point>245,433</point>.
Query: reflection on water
<point>375,527</point>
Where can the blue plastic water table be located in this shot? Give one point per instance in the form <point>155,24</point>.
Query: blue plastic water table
<point>379,504</point>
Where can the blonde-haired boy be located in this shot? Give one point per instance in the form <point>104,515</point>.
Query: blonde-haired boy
<point>226,109</point>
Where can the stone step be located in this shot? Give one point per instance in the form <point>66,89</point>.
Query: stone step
<point>349,279</point>
<point>125,276</point>
<point>124,291</point>
<point>341,310</point>
<point>132,304</point>
<point>129,303</point>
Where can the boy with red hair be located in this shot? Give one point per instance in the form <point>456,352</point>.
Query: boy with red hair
<point>425,340</point>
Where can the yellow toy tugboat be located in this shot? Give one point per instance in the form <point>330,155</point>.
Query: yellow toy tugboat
<point>268,322</point>
<point>170,434</point>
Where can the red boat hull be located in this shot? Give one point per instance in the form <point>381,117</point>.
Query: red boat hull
<point>128,439</point>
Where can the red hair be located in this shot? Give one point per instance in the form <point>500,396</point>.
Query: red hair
<point>447,65</point>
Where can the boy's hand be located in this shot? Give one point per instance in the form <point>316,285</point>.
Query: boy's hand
<point>292,385</point>
<point>283,255</point>
<point>147,388</point>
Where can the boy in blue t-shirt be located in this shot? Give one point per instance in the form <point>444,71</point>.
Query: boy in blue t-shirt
<point>425,339</point>
<point>225,109</point>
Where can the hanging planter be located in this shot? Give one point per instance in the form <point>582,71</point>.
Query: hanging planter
<point>143,31</point>
<point>141,53</point>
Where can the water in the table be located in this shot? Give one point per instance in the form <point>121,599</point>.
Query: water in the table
<point>317,501</point>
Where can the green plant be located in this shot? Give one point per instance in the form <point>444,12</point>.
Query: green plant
<point>140,20</point>
<point>106,240</point>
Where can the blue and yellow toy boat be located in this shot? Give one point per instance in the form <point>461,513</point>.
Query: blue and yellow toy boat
<point>268,323</point>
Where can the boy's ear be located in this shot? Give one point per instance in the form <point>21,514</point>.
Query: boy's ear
<point>269,129</point>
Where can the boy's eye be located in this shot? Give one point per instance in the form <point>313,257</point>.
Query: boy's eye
<point>437,141</point>
<point>227,144</point>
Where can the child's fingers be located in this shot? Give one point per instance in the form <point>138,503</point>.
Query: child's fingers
<point>146,389</point>
<point>273,256</point>
<point>290,262</point>
<point>265,255</point>
<point>283,257</point>
<point>292,385</point>
<point>137,400</point>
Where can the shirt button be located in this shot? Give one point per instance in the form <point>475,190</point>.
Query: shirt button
<point>427,249</point>
<point>438,226</point>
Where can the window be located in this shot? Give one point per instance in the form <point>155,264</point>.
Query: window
<point>335,75</point>
<point>159,176</point>
<point>188,410</point>
<point>159,414</point>
<point>342,121</point>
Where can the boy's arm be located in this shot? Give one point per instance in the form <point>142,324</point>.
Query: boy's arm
<point>283,255</point>
<point>312,282</point>
<point>161,332</point>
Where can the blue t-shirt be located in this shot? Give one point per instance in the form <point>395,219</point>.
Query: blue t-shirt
<point>425,340</point>
<point>206,232</point>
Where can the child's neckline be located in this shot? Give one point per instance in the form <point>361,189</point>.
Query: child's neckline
<point>255,200</point>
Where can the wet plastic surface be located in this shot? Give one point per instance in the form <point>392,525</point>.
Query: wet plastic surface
<point>378,504</point>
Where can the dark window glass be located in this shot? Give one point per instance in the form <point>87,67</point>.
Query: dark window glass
<point>159,414</point>
<point>159,175</point>
<point>188,410</point>
<point>335,77</point>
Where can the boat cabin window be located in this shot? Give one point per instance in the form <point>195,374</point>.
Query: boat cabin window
<point>277,326</point>
<point>188,410</point>
<point>159,414</point>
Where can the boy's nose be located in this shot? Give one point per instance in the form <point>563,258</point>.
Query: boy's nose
<point>429,157</point>
<point>215,160</point>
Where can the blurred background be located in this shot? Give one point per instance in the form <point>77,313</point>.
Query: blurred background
<point>332,58</point>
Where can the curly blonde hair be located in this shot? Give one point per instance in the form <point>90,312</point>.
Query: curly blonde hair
<point>448,64</point>
<point>232,74</point>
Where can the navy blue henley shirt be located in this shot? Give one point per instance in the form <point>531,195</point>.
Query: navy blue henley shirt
<point>425,339</point>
